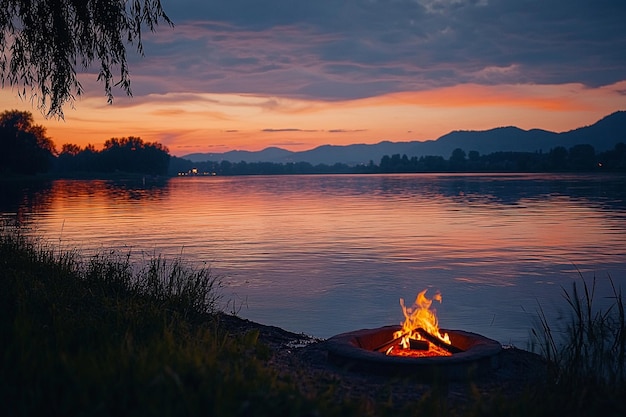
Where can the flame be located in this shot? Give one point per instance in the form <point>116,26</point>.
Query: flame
<point>419,316</point>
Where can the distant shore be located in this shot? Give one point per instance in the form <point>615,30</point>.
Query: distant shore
<point>130,176</point>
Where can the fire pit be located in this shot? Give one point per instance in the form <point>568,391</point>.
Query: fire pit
<point>417,347</point>
<point>356,351</point>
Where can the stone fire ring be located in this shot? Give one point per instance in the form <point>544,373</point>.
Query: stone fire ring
<point>355,351</point>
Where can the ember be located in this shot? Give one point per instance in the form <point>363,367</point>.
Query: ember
<point>357,350</point>
<point>419,335</point>
<point>417,347</point>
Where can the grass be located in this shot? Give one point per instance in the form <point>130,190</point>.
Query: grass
<point>586,352</point>
<point>94,338</point>
<point>97,336</point>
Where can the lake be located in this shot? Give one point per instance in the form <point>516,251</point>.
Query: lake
<point>326,254</point>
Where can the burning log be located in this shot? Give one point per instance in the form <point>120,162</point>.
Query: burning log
<point>438,342</point>
<point>387,345</point>
<point>415,344</point>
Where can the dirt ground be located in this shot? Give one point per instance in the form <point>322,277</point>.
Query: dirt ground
<point>305,359</point>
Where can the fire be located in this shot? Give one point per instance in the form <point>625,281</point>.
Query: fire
<point>420,324</point>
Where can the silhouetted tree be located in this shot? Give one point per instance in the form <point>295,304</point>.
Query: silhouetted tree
<point>398,163</point>
<point>558,158</point>
<point>225,167</point>
<point>24,146</point>
<point>385,164</point>
<point>43,41</point>
<point>582,158</point>
<point>88,159</point>
<point>68,158</point>
<point>70,149</point>
<point>473,156</point>
<point>473,161</point>
<point>432,163</point>
<point>457,160</point>
<point>74,159</point>
<point>132,154</point>
<point>615,159</point>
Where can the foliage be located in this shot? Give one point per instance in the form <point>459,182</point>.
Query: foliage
<point>587,354</point>
<point>128,154</point>
<point>131,154</point>
<point>579,158</point>
<point>43,41</point>
<point>180,166</point>
<point>24,146</point>
<point>89,336</point>
<point>25,149</point>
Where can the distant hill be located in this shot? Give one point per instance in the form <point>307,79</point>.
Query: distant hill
<point>602,135</point>
<point>271,154</point>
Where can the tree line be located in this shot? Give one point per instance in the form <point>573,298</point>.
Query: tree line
<point>578,158</point>
<point>180,166</point>
<point>26,150</point>
<point>127,154</point>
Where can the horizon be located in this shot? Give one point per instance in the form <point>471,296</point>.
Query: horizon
<point>392,141</point>
<point>298,75</point>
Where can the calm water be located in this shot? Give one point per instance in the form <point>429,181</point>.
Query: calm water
<point>328,254</point>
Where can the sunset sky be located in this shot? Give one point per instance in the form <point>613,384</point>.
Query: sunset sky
<point>249,74</point>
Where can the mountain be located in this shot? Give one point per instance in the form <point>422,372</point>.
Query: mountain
<point>606,133</point>
<point>488,141</point>
<point>602,135</point>
<point>271,154</point>
<point>351,154</point>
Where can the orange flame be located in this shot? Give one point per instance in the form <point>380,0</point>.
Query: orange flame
<point>420,316</point>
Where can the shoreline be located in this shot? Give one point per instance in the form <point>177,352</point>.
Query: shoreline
<point>130,176</point>
<point>305,359</point>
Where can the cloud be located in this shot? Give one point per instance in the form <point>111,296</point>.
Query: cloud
<point>346,130</point>
<point>363,48</point>
<point>288,130</point>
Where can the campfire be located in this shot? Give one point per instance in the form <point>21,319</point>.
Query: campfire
<point>417,347</point>
<point>419,335</point>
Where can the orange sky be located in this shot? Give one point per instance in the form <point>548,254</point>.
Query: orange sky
<point>298,74</point>
<point>199,122</point>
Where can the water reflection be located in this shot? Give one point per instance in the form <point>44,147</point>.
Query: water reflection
<point>20,199</point>
<point>326,254</point>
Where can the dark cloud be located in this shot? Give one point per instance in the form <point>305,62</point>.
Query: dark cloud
<point>358,48</point>
<point>287,130</point>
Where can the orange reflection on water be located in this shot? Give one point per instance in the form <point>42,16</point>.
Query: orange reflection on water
<point>401,219</point>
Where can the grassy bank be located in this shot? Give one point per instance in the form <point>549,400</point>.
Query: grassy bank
<point>586,351</point>
<point>97,336</point>
<point>93,338</point>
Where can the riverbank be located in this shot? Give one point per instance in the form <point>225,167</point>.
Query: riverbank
<point>102,337</point>
<point>306,359</point>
